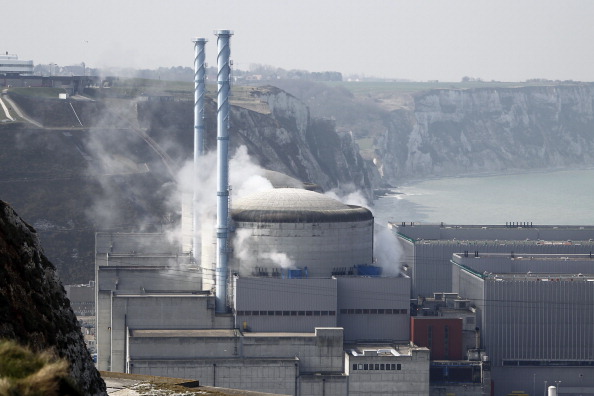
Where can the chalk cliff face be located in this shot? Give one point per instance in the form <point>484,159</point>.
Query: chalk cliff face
<point>290,141</point>
<point>34,310</point>
<point>285,138</point>
<point>452,132</point>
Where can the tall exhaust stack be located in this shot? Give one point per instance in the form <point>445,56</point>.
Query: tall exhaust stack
<point>223,76</point>
<point>199,135</point>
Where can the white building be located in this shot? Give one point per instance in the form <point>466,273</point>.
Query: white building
<point>10,64</point>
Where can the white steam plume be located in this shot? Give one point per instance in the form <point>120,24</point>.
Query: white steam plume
<point>387,251</point>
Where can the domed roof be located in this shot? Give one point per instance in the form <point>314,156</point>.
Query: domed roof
<point>281,180</point>
<point>292,205</point>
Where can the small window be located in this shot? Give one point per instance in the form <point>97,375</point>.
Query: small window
<point>398,366</point>
<point>278,313</point>
<point>343,311</point>
<point>324,313</point>
<point>371,367</point>
<point>263,313</point>
<point>351,311</point>
<point>382,366</point>
<point>293,313</point>
<point>358,311</point>
<point>332,313</point>
<point>354,366</point>
<point>365,367</point>
<point>377,366</point>
<point>308,313</point>
<point>360,366</point>
<point>380,311</point>
<point>392,366</point>
<point>365,311</point>
<point>316,313</point>
<point>301,313</point>
<point>255,313</point>
<point>373,311</point>
<point>270,313</point>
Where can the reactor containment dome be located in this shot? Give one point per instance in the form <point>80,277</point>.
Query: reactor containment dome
<point>289,228</point>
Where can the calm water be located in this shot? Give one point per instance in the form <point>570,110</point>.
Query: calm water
<point>559,197</point>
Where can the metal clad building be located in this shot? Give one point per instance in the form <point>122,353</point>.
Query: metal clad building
<point>535,323</point>
<point>428,247</point>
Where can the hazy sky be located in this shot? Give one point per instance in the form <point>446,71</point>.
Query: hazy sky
<point>506,40</point>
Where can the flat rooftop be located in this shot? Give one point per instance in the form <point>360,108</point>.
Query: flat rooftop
<point>358,350</point>
<point>537,267</point>
<point>204,333</point>
<point>561,234</point>
<point>184,333</point>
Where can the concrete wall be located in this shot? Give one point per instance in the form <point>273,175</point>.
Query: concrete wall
<point>373,308</point>
<point>318,352</point>
<point>152,312</point>
<point>103,329</point>
<point>412,378</point>
<point>285,305</point>
<point>145,280</point>
<point>320,247</point>
<point>276,376</point>
<point>328,385</point>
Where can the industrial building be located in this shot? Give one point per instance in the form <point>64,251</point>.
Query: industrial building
<point>428,248</point>
<point>286,296</point>
<point>11,65</point>
<point>535,315</point>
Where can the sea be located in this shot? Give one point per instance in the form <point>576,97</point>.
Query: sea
<point>559,197</point>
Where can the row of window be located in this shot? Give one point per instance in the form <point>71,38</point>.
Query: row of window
<point>377,366</point>
<point>375,311</point>
<point>286,313</point>
<point>325,313</point>
<point>27,65</point>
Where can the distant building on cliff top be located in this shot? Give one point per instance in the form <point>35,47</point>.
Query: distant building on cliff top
<point>11,65</point>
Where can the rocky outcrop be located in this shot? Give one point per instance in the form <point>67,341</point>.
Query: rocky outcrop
<point>452,132</point>
<point>34,310</point>
<point>284,139</point>
<point>310,149</point>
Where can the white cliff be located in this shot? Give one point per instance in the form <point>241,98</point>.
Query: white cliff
<point>451,132</point>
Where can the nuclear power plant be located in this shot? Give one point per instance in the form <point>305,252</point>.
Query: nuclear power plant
<point>280,291</point>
